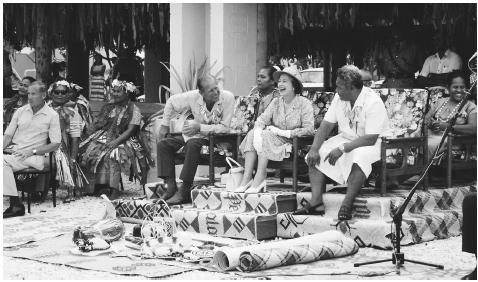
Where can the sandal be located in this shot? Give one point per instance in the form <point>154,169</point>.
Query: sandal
<point>345,213</point>
<point>310,210</point>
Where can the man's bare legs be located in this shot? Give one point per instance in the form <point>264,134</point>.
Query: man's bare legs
<point>317,185</point>
<point>354,184</point>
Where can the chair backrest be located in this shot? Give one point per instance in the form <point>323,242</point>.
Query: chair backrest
<point>434,94</point>
<point>320,103</point>
<point>405,110</point>
<point>167,94</point>
<point>245,113</point>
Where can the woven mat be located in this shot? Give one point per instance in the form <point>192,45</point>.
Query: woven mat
<point>325,245</point>
<point>37,227</point>
<point>59,251</point>
<point>342,268</point>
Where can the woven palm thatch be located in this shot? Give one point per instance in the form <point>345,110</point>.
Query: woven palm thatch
<point>96,25</point>
<point>343,16</point>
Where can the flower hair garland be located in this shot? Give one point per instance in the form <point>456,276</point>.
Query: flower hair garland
<point>125,85</point>
<point>68,85</point>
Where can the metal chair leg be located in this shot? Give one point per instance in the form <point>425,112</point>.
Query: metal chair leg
<point>294,164</point>
<point>211,160</point>
<point>53,192</point>
<point>121,183</point>
<point>281,175</point>
<point>28,202</point>
<point>449,161</point>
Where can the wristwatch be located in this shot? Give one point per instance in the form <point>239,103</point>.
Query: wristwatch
<point>342,148</point>
<point>34,151</point>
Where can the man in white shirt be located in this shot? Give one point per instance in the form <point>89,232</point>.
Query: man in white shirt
<point>212,110</point>
<point>348,156</point>
<point>25,142</point>
<point>437,66</point>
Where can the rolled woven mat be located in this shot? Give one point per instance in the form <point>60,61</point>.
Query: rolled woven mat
<point>325,245</point>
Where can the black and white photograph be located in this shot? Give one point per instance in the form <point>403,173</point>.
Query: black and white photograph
<point>239,141</point>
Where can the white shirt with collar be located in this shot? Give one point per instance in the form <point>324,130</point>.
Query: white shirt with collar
<point>218,119</point>
<point>31,130</point>
<point>368,116</point>
<point>434,64</point>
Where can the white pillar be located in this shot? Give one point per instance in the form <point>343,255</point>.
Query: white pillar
<point>239,38</point>
<point>216,39</point>
<point>187,38</point>
<point>176,43</point>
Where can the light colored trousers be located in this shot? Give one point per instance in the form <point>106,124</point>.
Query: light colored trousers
<point>12,164</point>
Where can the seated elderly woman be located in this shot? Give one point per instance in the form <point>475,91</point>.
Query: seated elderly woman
<point>17,101</point>
<point>444,109</point>
<point>114,147</point>
<point>287,116</point>
<point>69,174</point>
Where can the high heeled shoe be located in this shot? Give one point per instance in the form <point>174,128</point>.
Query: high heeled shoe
<point>259,189</point>
<point>242,189</point>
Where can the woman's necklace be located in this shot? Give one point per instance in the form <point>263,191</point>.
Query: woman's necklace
<point>438,114</point>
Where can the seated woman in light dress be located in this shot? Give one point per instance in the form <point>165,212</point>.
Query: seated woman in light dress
<point>287,116</point>
<point>443,110</point>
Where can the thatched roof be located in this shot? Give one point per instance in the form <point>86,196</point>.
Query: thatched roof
<point>344,16</point>
<point>96,25</point>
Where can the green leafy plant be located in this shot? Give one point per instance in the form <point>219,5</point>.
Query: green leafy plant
<point>188,81</point>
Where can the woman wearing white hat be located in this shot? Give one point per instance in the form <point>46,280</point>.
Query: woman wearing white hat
<point>287,116</point>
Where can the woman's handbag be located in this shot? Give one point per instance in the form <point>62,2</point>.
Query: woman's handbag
<point>234,176</point>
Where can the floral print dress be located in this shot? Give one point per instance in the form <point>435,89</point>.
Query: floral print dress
<point>298,116</point>
<point>103,166</point>
<point>249,107</point>
<point>434,138</point>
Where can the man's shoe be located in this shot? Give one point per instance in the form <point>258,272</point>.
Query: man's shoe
<point>182,196</point>
<point>114,194</point>
<point>171,189</point>
<point>8,210</point>
<point>14,211</point>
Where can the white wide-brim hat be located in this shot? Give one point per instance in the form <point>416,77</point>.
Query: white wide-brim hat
<point>292,72</point>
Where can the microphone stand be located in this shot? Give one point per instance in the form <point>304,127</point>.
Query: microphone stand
<point>398,258</point>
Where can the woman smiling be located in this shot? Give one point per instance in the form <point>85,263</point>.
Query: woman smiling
<point>287,116</point>
<point>444,109</point>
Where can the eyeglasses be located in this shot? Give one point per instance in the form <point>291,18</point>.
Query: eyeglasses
<point>63,92</point>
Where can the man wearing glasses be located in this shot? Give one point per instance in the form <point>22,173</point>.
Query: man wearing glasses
<point>25,142</point>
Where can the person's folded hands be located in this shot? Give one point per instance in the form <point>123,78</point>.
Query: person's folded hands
<point>191,128</point>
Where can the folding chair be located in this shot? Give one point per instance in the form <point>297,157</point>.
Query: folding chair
<point>47,170</point>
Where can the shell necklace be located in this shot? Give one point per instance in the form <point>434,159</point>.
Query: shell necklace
<point>447,119</point>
